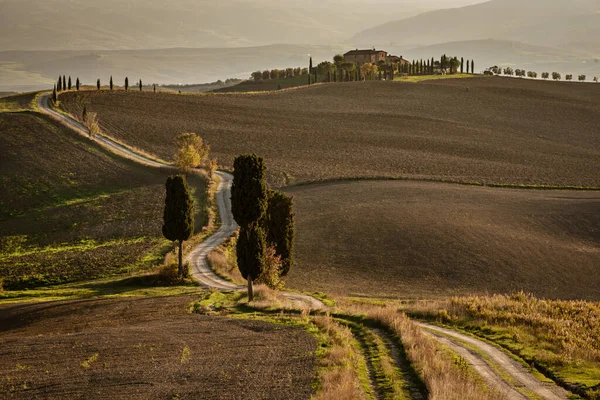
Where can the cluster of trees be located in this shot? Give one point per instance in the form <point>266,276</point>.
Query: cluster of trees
<point>63,84</point>
<point>279,73</point>
<point>508,71</point>
<point>265,244</point>
<point>342,71</point>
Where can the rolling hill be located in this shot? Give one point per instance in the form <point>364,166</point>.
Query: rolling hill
<point>397,234</point>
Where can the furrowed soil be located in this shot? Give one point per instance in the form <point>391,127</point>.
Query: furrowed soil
<point>489,130</point>
<point>148,348</point>
<point>71,211</point>
<point>427,239</point>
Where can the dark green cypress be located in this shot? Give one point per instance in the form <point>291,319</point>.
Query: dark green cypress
<point>64,83</point>
<point>141,86</point>
<point>59,84</point>
<point>249,202</point>
<point>77,83</point>
<point>462,65</point>
<point>98,83</point>
<point>126,83</point>
<point>473,66</point>
<point>69,86</point>
<point>249,191</point>
<point>279,228</point>
<point>178,215</point>
<point>54,96</point>
<point>111,83</point>
<point>250,252</point>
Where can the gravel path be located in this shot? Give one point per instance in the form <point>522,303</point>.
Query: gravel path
<point>464,345</point>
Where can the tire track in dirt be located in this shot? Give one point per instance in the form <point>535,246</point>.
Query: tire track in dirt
<point>487,361</point>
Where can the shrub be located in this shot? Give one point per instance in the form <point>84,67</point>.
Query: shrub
<point>271,273</point>
<point>545,75</point>
<point>569,77</point>
<point>556,76</point>
<point>582,78</point>
<point>169,274</point>
<point>90,121</point>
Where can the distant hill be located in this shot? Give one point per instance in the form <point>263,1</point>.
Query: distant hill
<point>151,24</point>
<point>487,53</point>
<point>572,24</point>
<point>31,70</point>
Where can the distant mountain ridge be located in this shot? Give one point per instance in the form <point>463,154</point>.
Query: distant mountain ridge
<point>575,24</point>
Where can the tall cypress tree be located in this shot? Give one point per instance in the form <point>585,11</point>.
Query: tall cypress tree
<point>126,83</point>
<point>54,96</point>
<point>141,86</point>
<point>310,70</point>
<point>77,83</point>
<point>468,65</point>
<point>64,83</point>
<point>462,65</point>
<point>178,215</point>
<point>473,66</point>
<point>98,83</point>
<point>279,227</point>
<point>111,83</point>
<point>249,202</point>
<point>69,86</point>
<point>59,84</point>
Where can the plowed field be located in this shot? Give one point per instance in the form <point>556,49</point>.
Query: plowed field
<point>148,348</point>
<point>492,130</point>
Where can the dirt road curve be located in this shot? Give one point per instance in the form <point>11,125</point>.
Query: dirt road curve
<point>500,371</point>
<point>198,256</point>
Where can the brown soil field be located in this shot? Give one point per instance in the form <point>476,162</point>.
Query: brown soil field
<point>148,348</point>
<point>489,130</point>
<point>427,239</point>
<point>17,102</point>
<point>70,210</point>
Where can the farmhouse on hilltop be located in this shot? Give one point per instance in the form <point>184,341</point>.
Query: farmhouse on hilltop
<point>360,57</point>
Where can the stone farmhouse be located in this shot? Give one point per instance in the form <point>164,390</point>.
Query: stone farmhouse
<point>360,57</point>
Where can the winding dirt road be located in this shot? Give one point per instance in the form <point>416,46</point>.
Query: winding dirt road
<point>500,372</point>
<point>198,256</point>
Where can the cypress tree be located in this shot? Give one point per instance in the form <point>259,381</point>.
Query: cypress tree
<point>69,86</point>
<point>279,228</point>
<point>473,66</point>
<point>59,84</point>
<point>310,69</point>
<point>249,202</point>
<point>178,215</point>
<point>462,65</point>
<point>111,83</point>
<point>468,65</point>
<point>77,83</point>
<point>141,85</point>
<point>98,83</point>
<point>54,96</point>
<point>126,83</point>
<point>155,88</point>
<point>64,83</point>
<point>250,250</point>
<point>432,65</point>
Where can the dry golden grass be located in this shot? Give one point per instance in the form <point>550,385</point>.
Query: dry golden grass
<point>562,337</point>
<point>224,263</point>
<point>338,376</point>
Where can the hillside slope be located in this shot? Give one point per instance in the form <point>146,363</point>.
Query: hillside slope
<point>503,131</point>
<point>70,210</point>
<point>427,239</point>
